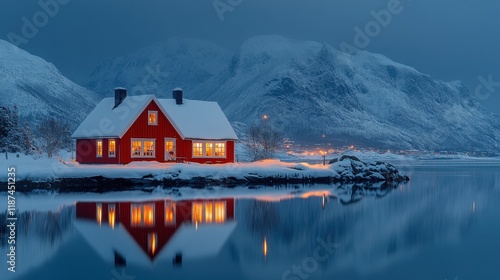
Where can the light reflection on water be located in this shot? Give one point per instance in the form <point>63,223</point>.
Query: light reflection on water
<point>444,224</point>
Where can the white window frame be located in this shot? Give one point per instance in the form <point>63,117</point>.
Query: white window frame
<point>97,148</point>
<point>156,119</point>
<point>204,147</point>
<point>142,140</point>
<point>109,150</point>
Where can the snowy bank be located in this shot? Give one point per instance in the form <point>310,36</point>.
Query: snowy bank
<point>63,175</point>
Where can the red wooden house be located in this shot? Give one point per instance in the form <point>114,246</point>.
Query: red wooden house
<point>161,229</point>
<point>144,128</point>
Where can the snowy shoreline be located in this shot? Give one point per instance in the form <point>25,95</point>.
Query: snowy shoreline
<point>67,176</point>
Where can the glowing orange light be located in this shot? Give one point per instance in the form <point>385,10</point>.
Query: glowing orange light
<point>197,212</point>
<point>149,215</point>
<point>220,212</point>
<point>136,215</point>
<point>208,212</point>
<point>153,242</point>
<point>99,214</point>
<point>265,247</point>
<point>169,213</point>
<point>111,216</point>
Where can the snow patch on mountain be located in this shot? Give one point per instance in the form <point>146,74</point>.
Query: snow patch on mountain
<point>309,89</point>
<point>38,89</point>
<point>160,68</point>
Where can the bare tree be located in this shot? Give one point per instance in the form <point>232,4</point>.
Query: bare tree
<point>53,135</point>
<point>263,141</point>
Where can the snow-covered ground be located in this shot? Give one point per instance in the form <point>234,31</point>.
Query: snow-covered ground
<point>28,168</point>
<point>43,169</point>
<point>288,165</point>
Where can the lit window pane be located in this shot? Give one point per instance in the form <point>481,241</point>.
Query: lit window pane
<point>99,213</point>
<point>209,212</point>
<point>152,242</point>
<point>99,148</point>
<point>149,215</point>
<point>111,215</point>
<point>152,118</point>
<point>136,148</point>
<point>169,212</point>
<point>136,215</point>
<point>197,149</point>
<point>149,148</point>
<point>220,212</point>
<point>112,148</point>
<point>220,149</point>
<point>197,212</point>
<point>209,150</point>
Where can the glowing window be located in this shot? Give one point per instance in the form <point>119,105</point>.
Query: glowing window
<point>152,242</point>
<point>112,148</point>
<point>197,149</point>
<point>169,213</point>
<point>99,148</point>
<point>136,215</point>
<point>209,212</point>
<point>99,213</point>
<point>169,146</point>
<point>220,149</point>
<point>136,148</point>
<point>143,148</point>
<point>197,212</point>
<point>152,117</point>
<point>111,215</point>
<point>220,212</point>
<point>149,215</point>
<point>149,148</point>
<point>209,149</point>
<point>142,214</point>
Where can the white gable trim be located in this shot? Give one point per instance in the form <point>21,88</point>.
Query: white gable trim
<point>169,118</point>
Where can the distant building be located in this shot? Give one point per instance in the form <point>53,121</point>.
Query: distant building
<point>144,128</point>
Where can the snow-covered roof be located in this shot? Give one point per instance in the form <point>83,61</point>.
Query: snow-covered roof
<point>206,240</point>
<point>196,119</point>
<point>193,119</point>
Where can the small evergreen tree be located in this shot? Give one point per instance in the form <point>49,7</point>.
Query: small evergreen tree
<point>27,142</point>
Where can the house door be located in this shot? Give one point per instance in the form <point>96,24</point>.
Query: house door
<point>170,150</point>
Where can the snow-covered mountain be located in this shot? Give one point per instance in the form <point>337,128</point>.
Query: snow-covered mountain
<point>38,89</point>
<point>309,89</point>
<point>160,68</point>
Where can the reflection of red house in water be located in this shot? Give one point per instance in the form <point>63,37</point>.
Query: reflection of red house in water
<point>189,227</point>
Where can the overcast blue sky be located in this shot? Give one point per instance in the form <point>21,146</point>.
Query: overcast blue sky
<point>448,39</point>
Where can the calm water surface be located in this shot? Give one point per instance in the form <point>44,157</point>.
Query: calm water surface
<point>444,224</point>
